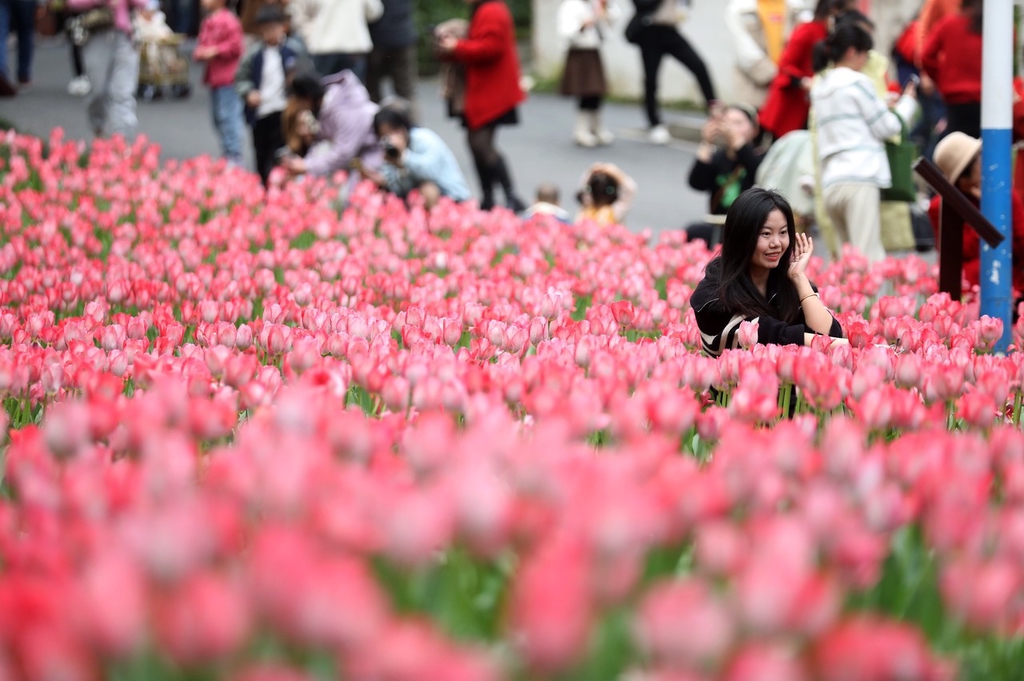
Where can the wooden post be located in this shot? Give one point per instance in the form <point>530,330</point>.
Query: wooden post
<point>951,251</point>
<point>958,213</point>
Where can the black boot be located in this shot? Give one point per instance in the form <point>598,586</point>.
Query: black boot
<point>501,174</point>
<point>486,187</point>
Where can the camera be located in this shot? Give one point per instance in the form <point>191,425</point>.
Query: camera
<point>391,152</point>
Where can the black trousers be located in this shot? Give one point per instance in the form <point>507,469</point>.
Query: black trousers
<point>965,118</point>
<point>657,41</point>
<point>267,138</point>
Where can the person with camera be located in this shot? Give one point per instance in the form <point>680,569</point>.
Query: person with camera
<point>344,115</point>
<point>416,158</point>
<point>606,196</point>
<point>727,160</point>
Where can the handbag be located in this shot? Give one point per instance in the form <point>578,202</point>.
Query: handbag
<point>82,26</point>
<point>901,160</point>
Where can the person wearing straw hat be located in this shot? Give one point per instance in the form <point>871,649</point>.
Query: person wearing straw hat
<point>958,156</point>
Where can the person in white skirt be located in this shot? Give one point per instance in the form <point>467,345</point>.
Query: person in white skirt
<point>584,24</point>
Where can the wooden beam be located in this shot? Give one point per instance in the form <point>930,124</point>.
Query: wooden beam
<point>951,251</point>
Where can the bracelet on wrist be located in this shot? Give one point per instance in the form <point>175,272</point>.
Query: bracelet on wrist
<point>809,295</point>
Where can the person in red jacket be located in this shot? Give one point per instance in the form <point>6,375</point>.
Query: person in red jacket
<point>952,58</point>
<point>787,104</point>
<point>958,156</point>
<point>493,92</point>
<point>220,45</point>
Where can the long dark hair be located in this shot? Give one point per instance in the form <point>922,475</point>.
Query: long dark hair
<point>823,10</point>
<point>975,11</point>
<point>743,224</point>
<point>848,32</point>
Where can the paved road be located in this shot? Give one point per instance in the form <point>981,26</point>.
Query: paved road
<point>539,149</point>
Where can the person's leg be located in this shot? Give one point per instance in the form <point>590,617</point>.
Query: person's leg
<point>651,51</point>
<point>124,78</point>
<point>25,27</point>
<point>376,65</point>
<point>235,122</point>
<point>98,55</point>
<point>357,63</point>
<point>222,107</point>
<point>680,48</point>
<point>582,133</point>
<point>261,144</point>
<point>863,219</point>
<point>503,176</point>
<point>403,74</point>
<point>481,146</point>
<point>6,89</point>
<point>77,64</point>
<point>834,199</point>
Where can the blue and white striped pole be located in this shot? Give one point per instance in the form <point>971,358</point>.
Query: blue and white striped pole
<point>996,170</point>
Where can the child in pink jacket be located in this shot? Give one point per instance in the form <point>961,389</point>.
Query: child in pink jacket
<point>220,46</point>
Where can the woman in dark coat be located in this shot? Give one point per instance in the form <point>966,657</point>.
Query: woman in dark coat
<point>488,54</point>
<point>760,276</point>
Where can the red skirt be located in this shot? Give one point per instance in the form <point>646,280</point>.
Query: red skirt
<point>584,74</point>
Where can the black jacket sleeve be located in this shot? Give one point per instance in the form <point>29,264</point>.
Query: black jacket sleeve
<point>719,326</point>
<point>703,175</point>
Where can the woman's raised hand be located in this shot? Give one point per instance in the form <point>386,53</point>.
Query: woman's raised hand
<point>802,250</point>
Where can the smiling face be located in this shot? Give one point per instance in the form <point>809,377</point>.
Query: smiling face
<point>772,242</point>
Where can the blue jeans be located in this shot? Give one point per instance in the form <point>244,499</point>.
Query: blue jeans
<point>19,16</point>
<point>228,119</point>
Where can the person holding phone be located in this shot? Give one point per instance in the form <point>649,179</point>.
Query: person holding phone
<point>725,166</point>
<point>852,124</point>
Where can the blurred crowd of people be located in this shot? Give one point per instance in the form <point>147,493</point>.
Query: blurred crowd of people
<point>815,103</point>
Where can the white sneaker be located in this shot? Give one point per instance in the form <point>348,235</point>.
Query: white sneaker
<point>80,86</point>
<point>659,135</point>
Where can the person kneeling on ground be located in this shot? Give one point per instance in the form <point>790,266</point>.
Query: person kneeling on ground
<point>760,276</point>
<point>958,156</point>
<point>606,195</point>
<point>726,163</point>
<point>416,158</point>
<point>345,115</point>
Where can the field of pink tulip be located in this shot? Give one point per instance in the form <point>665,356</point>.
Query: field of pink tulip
<point>274,438</point>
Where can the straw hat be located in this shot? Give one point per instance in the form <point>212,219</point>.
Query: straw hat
<point>954,153</point>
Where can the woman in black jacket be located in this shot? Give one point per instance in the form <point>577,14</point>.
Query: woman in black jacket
<point>761,277</point>
<point>727,161</point>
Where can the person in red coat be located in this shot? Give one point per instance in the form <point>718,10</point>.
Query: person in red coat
<point>958,156</point>
<point>488,53</point>
<point>952,58</point>
<point>787,104</point>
